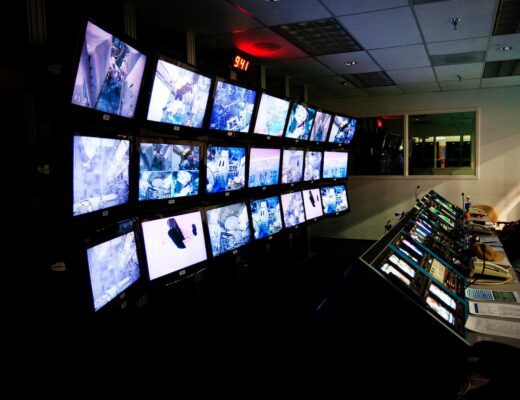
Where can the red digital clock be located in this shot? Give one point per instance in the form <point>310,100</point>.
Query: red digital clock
<point>240,63</point>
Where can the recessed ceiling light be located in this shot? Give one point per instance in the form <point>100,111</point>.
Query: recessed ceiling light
<point>349,63</point>
<point>272,1</point>
<point>505,48</point>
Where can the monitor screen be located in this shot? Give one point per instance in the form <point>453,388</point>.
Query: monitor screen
<point>312,203</point>
<point>100,173</point>
<point>173,243</point>
<point>264,167</point>
<point>109,74</point>
<point>292,166</point>
<point>271,116</point>
<point>300,122</point>
<point>312,170</point>
<point>228,228</point>
<point>232,108</point>
<point>225,168</point>
<point>167,171</point>
<point>266,217</point>
<point>293,212</point>
<point>334,199</point>
<point>113,266</point>
<point>321,127</point>
<point>342,130</point>
<point>335,164</point>
<point>179,96</point>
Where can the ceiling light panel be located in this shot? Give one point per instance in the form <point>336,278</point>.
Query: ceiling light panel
<point>371,79</point>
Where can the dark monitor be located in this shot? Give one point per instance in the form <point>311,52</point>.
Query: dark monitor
<point>100,171</point>
<point>109,74</point>
<point>266,217</point>
<point>342,129</point>
<point>335,164</point>
<point>292,166</point>
<point>321,127</point>
<point>300,122</point>
<point>225,168</point>
<point>232,108</point>
<point>271,116</point>
<point>179,95</point>
<point>113,264</point>
<point>312,169</point>
<point>168,170</point>
<point>264,167</point>
<point>293,210</point>
<point>334,199</point>
<point>228,227</point>
<point>312,203</point>
<point>174,243</point>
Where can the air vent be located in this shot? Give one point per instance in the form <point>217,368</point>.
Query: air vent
<point>324,36</point>
<point>459,58</point>
<point>418,2</point>
<point>370,79</point>
<point>508,18</point>
<point>502,68</point>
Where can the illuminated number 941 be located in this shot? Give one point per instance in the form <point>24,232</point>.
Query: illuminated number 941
<point>241,63</point>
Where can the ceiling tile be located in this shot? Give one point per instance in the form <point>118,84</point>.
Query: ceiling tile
<point>504,40</point>
<point>435,19</point>
<point>420,88</point>
<point>302,67</point>
<point>346,7</point>
<point>323,80</point>
<point>502,81</point>
<point>462,85</point>
<point>337,62</point>
<point>412,75</point>
<point>384,90</point>
<point>465,71</point>
<point>375,30</point>
<point>401,57</point>
<point>457,46</point>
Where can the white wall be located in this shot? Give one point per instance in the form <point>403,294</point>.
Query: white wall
<point>374,200</point>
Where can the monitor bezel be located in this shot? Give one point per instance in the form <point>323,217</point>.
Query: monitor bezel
<point>336,213</point>
<point>297,226</point>
<point>268,188</point>
<point>268,237</point>
<point>320,217</point>
<point>338,179</point>
<point>294,104</point>
<point>340,144</point>
<point>312,150</point>
<point>291,185</point>
<point>326,134</point>
<point>266,137</point>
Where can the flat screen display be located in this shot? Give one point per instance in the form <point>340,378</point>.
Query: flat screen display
<point>228,228</point>
<point>293,211</point>
<point>292,166</point>
<point>321,127</point>
<point>266,217</point>
<point>232,108</point>
<point>264,167</point>
<point>167,171</point>
<point>109,74</point>
<point>225,168</point>
<point>173,243</point>
<point>440,310</point>
<point>335,164</point>
<point>100,173</point>
<point>271,116</point>
<point>342,130</point>
<point>334,199</point>
<point>179,96</point>
<point>113,266</point>
<point>300,122</point>
<point>312,203</point>
<point>312,169</point>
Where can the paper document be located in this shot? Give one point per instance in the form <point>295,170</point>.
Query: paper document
<point>494,295</point>
<point>496,309</point>
<point>493,326</point>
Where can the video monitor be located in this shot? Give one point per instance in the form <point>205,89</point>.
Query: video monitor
<point>109,74</point>
<point>232,108</point>
<point>312,203</point>
<point>300,122</point>
<point>312,168</point>
<point>168,170</point>
<point>225,168</point>
<point>179,95</point>
<point>271,116</point>
<point>228,227</point>
<point>321,127</point>
<point>335,164</point>
<point>440,310</point>
<point>264,167</point>
<point>100,173</point>
<point>390,270</point>
<point>292,166</point>
<point>173,243</point>
<point>334,199</point>
<point>293,211</point>
<point>342,130</point>
<point>113,265</point>
<point>266,217</point>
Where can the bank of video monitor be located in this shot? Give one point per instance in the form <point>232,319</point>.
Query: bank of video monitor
<point>266,217</point>
<point>312,203</point>
<point>293,209</point>
<point>301,119</point>
<point>271,116</point>
<point>342,130</point>
<point>264,167</point>
<point>292,166</point>
<point>321,127</point>
<point>312,168</point>
<point>225,168</point>
<point>334,199</point>
<point>335,164</point>
<point>440,309</point>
